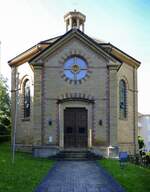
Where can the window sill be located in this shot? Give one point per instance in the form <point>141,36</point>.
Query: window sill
<point>123,119</point>
<point>26,119</point>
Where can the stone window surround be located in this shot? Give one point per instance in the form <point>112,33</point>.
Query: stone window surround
<point>72,53</point>
<point>74,69</point>
<point>21,95</point>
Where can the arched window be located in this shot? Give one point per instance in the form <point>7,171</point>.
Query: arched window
<point>122,99</point>
<point>27,98</point>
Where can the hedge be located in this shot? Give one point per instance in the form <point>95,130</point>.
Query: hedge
<point>4,138</point>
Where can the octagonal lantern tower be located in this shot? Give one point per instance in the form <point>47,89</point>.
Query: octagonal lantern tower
<point>74,19</point>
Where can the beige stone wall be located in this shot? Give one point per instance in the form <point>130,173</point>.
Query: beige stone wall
<point>113,124</point>
<point>127,128</point>
<point>24,134</point>
<point>48,85</point>
<point>55,87</point>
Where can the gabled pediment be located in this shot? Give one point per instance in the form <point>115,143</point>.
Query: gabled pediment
<point>72,34</point>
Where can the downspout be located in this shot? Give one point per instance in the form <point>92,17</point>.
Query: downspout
<point>108,107</point>
<point>134,110</point>
<point>42,105</point>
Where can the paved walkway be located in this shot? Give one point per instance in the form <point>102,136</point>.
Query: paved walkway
<point>78,176</point>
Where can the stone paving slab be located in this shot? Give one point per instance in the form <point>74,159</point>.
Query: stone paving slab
<point>78,176</point>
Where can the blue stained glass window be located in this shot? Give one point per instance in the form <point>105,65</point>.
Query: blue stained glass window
<point>81,75</point>
<point>82,63</point>
<point>69,63</point>
<point>122,99</point>
<point>27,98</point>
<point>69,74</point>
<point>75,68</point>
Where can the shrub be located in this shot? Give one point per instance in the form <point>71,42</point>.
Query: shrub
<point>4,138</point>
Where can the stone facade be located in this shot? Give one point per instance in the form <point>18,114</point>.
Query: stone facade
<point>98,93</point>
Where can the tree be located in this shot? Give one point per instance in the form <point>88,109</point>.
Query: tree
<point>141,144</point>
<point>5,122</point>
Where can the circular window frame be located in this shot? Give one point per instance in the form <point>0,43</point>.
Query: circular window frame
<point>75,68</point>
<point>79,53</point>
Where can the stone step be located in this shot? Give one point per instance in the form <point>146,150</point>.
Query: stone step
<point>73,159</point>
<point>73,155</point>
<point>76,155</point>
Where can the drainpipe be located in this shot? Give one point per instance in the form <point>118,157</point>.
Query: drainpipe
<point>16,115</point>
<point>134,109</point>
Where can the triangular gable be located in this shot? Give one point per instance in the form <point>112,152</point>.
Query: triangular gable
<point>65,38</point>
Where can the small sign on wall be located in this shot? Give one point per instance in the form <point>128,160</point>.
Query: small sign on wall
<point>50,139</point>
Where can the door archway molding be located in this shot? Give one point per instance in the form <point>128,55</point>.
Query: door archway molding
<point>75,104</point>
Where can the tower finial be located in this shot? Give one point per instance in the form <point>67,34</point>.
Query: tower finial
<point>74,19</point>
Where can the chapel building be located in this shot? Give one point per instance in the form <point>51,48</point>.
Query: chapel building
<point>74,92</point>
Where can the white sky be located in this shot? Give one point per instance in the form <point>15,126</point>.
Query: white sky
<point>124,23</point>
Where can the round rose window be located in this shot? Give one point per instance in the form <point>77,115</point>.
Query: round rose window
<point>75,68</point>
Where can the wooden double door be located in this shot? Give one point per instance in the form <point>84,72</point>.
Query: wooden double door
<point>75,128</point>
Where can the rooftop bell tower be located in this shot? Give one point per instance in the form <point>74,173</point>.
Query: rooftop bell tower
<point>74,19</point>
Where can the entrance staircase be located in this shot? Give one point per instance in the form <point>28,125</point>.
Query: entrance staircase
<point>76,155</point>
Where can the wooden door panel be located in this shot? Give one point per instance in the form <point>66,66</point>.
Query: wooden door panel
<point>75,127</point>
<point>81,126</point>
<point>69,130</point>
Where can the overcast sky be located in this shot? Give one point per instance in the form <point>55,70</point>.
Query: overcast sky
<point>124,23</point>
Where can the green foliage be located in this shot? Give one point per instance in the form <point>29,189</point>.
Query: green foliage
<point>25,174</point>
<point>140,142</point>
<point>4,138</point>
<point>132,177</point>
<point>5,123</point>
<point>148,154</point>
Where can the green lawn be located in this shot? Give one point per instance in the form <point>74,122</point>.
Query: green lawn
<point>133,178</point>
<point>25,174</point>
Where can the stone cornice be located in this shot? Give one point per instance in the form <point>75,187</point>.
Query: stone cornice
<point>27,55</point>
<point>124,57</point>
<point>113,65</point>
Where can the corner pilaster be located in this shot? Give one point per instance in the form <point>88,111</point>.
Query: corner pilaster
<point>37,105</point>
<point>113,67</point>
<point>135,111</point>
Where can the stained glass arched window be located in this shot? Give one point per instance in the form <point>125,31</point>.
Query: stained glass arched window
<point>123,99</point>
<point>27,98</point>
<point>75,68</point>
